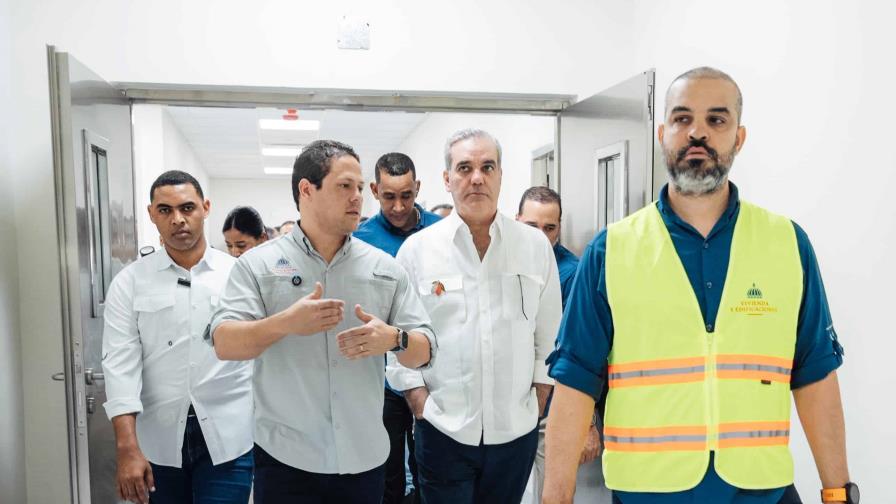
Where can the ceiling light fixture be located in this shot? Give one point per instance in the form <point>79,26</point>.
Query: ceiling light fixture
<point>293,125</point>
<point>282,151</point>
<point>276,170</point>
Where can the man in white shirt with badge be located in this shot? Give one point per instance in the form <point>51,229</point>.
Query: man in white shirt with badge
<point>491,287</point>
<point>182,417</point>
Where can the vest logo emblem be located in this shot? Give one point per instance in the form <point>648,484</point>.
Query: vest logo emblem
<point>754,305</point>
<point>754,293</point>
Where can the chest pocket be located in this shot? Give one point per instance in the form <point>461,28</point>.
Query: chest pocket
<point>520,294</point>
<point>375,293</point>
<point>155,319</point>
<point>278,292</point>
<point>443,297</point>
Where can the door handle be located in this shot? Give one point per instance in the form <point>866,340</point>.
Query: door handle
<point>58,377</point>
<point>91,377</point>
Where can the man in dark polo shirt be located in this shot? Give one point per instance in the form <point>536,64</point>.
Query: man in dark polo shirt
<point>396,188</point>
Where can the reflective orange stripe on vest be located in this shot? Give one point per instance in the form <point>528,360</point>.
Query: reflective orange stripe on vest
<point>651,439</point>
<point>656,372</point>
<point>743,434</point>
<point>753,367</point>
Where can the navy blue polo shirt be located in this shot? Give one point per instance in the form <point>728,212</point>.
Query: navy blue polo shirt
<point>567,262</point>
<point>586,332</point>
<point>380,233</point>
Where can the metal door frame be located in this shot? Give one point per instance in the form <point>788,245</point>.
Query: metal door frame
<point>66,141</point>
<point>344,99</point>
<point>617,151</point>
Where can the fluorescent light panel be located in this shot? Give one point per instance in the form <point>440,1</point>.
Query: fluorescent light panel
<point>282,151</point>
<point>284,125</point>
<point>277,170</point>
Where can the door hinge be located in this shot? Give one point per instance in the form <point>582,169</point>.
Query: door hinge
<point>650,102</point>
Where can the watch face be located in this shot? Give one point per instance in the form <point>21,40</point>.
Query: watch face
<point>852,493</point>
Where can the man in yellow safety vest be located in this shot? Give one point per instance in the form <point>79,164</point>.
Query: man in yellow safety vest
<point>703,313</point>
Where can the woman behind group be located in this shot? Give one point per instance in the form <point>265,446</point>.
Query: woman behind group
<point>243,229</point>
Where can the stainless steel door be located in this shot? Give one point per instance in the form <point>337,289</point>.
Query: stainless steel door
<point>605,158</point>
<point>95,209</point>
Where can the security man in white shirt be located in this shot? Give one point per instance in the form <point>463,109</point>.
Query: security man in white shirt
<point>319,373</point>
<point>182,417</point>
<point>491,287</point>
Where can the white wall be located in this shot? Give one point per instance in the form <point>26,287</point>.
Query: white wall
<point>271,197</point>
<point>519,135</point>
<point>816,77</point>
<point>159,146</point>
<point>12,428</point>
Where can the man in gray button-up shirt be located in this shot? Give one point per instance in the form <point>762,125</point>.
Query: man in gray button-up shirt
<point>318,368</point>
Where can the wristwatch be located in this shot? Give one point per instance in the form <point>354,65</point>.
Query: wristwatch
<point>848,494</point>
<point>402,341</point>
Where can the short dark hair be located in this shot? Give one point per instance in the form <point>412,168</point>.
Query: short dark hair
<point>446,206</point>
<point>541,194</point>
<point>394,164</point>
<point>246,220</point>
<point>314,163</point>
<point>175,177</point>
<point>706,72</point>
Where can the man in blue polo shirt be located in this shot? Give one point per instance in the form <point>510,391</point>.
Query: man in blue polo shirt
<point>700,210</point>
<point>396,188</point>
<point>541,208</point>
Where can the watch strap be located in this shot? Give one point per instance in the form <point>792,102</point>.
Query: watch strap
<point>833,495</point>
<point>401,341</point>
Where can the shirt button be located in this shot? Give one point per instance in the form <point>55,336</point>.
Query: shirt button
<point>336,425</point>
<point>334,362</point>
<point>709,285</point>
<point>706,245</point>
<point>170,343</point>
<point>709,328</point>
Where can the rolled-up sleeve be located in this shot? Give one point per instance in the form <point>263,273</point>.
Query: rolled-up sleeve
<point>547,320</point>
<point>241,300</point>
<point>586,330</point>
<point>818,351</point>
<point>399,377</point>
<point>409,314</point>
<point>122,350</point>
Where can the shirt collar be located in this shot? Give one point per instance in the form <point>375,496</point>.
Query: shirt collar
<point>210,259</point>
<point>453,223</point>
<point>727,217</point>
<point>384,222</point>
<point>302,241</point>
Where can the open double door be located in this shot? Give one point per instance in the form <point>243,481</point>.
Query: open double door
<point>603,155</point>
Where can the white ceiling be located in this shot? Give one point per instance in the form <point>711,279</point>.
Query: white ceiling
<point>228,141</point>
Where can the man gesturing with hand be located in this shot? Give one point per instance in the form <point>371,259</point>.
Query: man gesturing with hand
<point>319,373</point>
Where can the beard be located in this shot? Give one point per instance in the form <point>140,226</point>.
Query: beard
<point>698,177</point>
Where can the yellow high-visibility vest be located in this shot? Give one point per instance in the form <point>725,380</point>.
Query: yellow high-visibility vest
<point>680,389</point>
